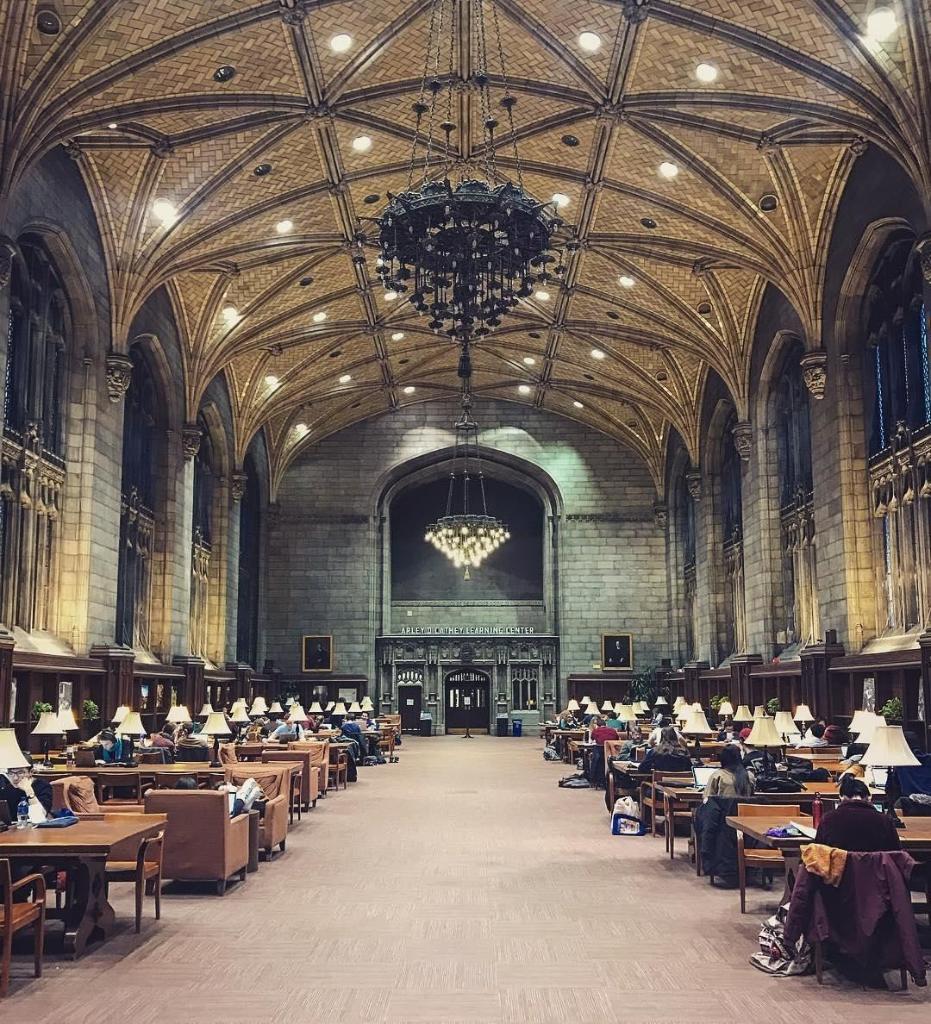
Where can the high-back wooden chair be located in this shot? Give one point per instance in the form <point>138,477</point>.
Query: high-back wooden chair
<point>145,872</point>
<point>14,917</point>
<point>107,783</point>
<point>762,858</point>
<point>649,800</point>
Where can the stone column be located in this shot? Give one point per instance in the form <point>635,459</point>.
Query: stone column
<point>816,682</point>
<point>180,517</point>
<point>741,666</point>
<point>118,687</point>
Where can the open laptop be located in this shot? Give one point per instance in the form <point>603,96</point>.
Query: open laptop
<point>702,773</point>
<point>877,777</point>
<point>85,758</point>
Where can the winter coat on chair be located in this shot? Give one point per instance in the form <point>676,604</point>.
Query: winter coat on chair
<point>717,841</point>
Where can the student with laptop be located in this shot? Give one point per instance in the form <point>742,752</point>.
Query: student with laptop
<point>730,780</point>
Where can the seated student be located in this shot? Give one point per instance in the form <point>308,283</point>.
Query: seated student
<point>165,738</point>
<point>111,748</point>
<point>567,720</point>
<point>814,737</point>
<point>855,824</point>
<point>17,784</point>
<point>602,732</point>
<point>613,722</point>
<point>668,755</point>
<point>834,736</point>
<point>731,779</point>
<point>284,732</point>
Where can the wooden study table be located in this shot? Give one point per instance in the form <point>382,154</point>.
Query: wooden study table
<point>566,735</point>
<point>82,850</point>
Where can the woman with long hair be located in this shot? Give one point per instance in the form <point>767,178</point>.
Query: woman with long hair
<point>731,779</point>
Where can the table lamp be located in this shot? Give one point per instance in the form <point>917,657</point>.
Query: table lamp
<point>682,715</point>
<point>725,709</point>
<point>355,708</point>
<point>696,725</point>
<point>289,702</point>
<point>276,708</point>
<point>591,709</point>
<point>860,718</point>
<point>803,714</point>
<point>765,736</point>
<point>759,712</point>
<point>785,724</point>
<point>742,714</point>
<point>868,726</point>
<point>573,705</point>
<point>46,727</point>
<point>367,704</point>
<point>240,715</point>
<point>259,707</point>
<point>607,706</point>
<point>661,702</point>
<point>339,708</point>
<point>331,705</point>
<point>10,754</point>
<point>315,708</point>
<point>206,711</point>
<point>644,708</point>
<point>216,726</point>
<point>586,701</point>
<point>121,712</point>
<point>889,749</point>
<point>297,715</point>
<point>626,714</point>
<point>130,728</point>
<point>178,714</point>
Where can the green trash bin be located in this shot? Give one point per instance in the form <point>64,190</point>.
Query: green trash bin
<point>517,727</point>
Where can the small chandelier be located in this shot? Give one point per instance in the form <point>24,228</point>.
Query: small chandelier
<point>466,534</point>
<point>464,253</point>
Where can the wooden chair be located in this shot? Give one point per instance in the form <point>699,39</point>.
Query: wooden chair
<point>762,858</point>
<point>648,798</point>
<point>146,873</point>
<point>386,743</point>
<point>170,780</point>
<point>671,818</point>
<point>14,917</point>
<point>338,768</point>
<point>106,783</point>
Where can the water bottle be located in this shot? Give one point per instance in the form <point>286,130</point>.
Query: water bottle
<point>22,814</point>
<point>816,811</point>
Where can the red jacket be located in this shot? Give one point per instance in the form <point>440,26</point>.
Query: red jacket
<point>602,733</point>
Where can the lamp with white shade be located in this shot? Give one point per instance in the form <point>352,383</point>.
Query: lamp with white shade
<point>131,728</point>
<point>339,708</point>
<point>573,705</point>
<point>240,715</point>
<point>367,704</point>
<point>785,724</point>
<point>696,724</point>
<point>626,713</point>
<point>206,711</point>
<point>765,736</point>
<point>725,709</point>
<point>178,714</point>
<point>46,727</point>
<point>606,705</point>
<point>121,712</point>
<point>10,754</point>
<point>859,720</point>
<point>642,707</point>
<point>759,712</point>
<point>743,714</point>
<point>803,714</point>
<point>296,714</point>
<point>276,708</point>
<point>592,708</point>
<point>331,706</point>
<point>661,702</point>
<point>259,707</point>
<point>888,749</point>
<point>316,708</point>
<point>355,708</point>
<point>586,701</point>
<point>216,726</point>
<point>868,726</point>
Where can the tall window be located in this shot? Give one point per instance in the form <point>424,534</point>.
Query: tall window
<point>735,634</point>
<point>899,434</point>
<point>141,439</point>
<point>33,468</point>
<point>250,511</point>
<point>201,536</point>
<point>684,525</point>
<point>791,414</point>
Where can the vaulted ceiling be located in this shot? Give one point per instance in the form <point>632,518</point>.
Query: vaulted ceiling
<point>172,148</point>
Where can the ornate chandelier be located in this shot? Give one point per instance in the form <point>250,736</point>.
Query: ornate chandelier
<point>464,253</point>
<point>466,534</point>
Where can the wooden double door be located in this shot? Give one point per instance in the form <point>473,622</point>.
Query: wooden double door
<point>468,695</point>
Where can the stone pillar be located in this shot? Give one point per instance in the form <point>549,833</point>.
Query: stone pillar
<point>741,666</point>
<point>181,517</point>
<point>693,671</point>
<point>7,643</point>
<point>232,566</point>
<point>192,689</point>
<point>118,686</point>
<point>816,683</point>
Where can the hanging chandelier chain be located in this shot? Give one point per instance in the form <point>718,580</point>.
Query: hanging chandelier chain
<point>491,170</point>
<point>419,106</point>
<point>448,126</point>
<point>509,100</point>
<point>434,87</point>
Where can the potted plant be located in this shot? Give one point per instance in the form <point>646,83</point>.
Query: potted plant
<point>90,712</point>
<point>39,708</point>
<point>772,706</point>
<point>893,710</point>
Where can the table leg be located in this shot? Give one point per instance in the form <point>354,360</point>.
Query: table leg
<point>792,860</point>
<point>254,819</point>
<point>88,915</point>
<point>671,827</point>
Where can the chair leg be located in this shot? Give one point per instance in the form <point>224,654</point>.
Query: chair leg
<point>819,961</point>
<point>221,887</point>
<point>140,892</point>
<point>7,956</point>
<point>742,880</point>
<point>158,896</point>
<point>903,975</point>
<point>39,943</point>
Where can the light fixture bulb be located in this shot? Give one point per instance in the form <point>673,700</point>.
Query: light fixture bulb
<point>626,281</point>
<point>560,199</point>
<point>529,361</point>
<point>397,336</point>
<point>318,318</point>
<point>390,296</point>
<point>524,389</point>
<point>345,378</point>
<point>881,23</point>
<point>284,226</point>
<point>597,353</point>
<point>165,211</point>
<point>590,42</point>
<point>541,296</point>
<point>578,404</point>
<point>410,389</point>
<point>362,143</point>
<point>706,72</point>
<point>340,43</point>
<point>271,380</point>
<point>668,169</point>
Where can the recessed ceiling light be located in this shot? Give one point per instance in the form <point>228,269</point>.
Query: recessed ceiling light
<point>371,199</point>
<point>340,43</point>
<point>524,389</point>
<point>541,296</point>
<point>397,336</point>
<point>560,199</point>
<point>390,296</point>
<point>284,226</point>
<point>271,380</point>
<point>529,361</point>
<point>570,140</point>
<point>704,308</point>
<point>611,315</point>
<point>668,169</point>
<point>410,389</point>
<point>113,126</point>
<point>597,353</point>
<point>336,353</point>
<point>318,318</point>
<point>626,281</point>
<point>224,73</point>
<point>231,314</point>
<point>881,23</point>
<point>346,378</point>
<point>648,222</point>
<point>165,211</point>
<point>48,22</point>
<point>578,404</point>
<point>301,428</point>
<point>362,143</point>
<point>768,203</point>
<point>588,376</point>
<point>706,72</point>
<point>262,169</point>
<point>402,362</point>
<point>590,42</point>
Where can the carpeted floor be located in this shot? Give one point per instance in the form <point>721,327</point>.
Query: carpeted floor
<point>457,885</point>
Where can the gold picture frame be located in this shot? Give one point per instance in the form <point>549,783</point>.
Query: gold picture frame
<point>314,648</point>
<point>615,654</point>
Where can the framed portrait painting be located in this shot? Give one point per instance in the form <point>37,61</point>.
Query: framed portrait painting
<point>317,654</point>
<point>617,652</point>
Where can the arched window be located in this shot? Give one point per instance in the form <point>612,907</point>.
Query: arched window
<point>731,518</point>
<point>33,470</point>
<point>205,474</point>
<point>141,439</point>
<point>250,511</point>
<point>791,418</point>
<point>898,400</point>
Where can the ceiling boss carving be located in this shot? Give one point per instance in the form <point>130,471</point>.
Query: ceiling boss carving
<point>268,136</point>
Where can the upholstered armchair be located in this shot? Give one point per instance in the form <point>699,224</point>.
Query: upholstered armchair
<point>275,781</point>
<point>203,842</point>
<point>319,751</point>
<point>310,774</point>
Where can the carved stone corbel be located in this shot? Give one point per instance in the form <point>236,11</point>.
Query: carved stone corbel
<point>814,372</point>
<point>743,439</point>
<point>693,483</point>
<point>660,514</point>
<point>238,485</point>
<point>635,11</point>
<point>119,375</point>
<point>7,255</point>
<point>924,254</point>
<point>191,435</point>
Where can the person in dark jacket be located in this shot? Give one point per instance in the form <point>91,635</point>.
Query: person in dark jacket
<point>668,755</point>
<point>856,825</point>
<point>18,784</point>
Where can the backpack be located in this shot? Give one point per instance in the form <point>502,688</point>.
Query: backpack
<point>574,782</point>
<point>778,784</point>
<point>550,753</point>
<point>776,956</point>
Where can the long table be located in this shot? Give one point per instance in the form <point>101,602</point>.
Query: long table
<point>82,850</point>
